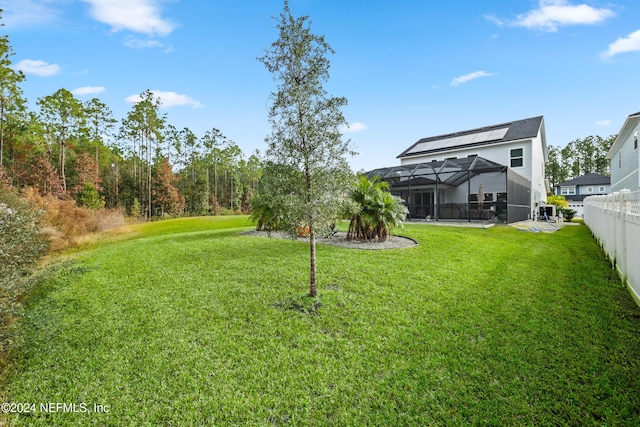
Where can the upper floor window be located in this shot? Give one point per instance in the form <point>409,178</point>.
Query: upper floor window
<point>589,189</point>
<point>619,159</point>
<point>601,189</point>
<point>568,191</point>
<point>635,139</point>
<point>517,157</point>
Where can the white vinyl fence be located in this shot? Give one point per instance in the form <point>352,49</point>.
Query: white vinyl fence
<point>614,220</point>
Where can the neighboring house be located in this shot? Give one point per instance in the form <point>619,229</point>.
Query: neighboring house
<point>491,172</point>
<point>575,190</point>
<point>624,156</point>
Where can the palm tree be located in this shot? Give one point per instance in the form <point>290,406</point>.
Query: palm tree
<point>264,215</point>
<point>375,210</point>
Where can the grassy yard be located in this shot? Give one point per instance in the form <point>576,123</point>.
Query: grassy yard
<point>186,323</point>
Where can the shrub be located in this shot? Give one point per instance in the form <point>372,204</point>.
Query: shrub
<point>136,209</point>
<point>22,245</point>
<point>567,213</point>
<point>559,201</point>
<point>90,198</point>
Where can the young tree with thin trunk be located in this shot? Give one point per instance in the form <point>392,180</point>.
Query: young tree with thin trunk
<point>312,179</point>
<point>165,194</point>
<point>144,125</point>
<point>11,100</point>
<point>64,118</point>
<point>100,123</point>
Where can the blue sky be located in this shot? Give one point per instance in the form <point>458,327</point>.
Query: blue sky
<point>409,68</point>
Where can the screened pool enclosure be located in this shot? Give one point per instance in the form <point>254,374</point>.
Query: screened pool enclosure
<point>466,189</point>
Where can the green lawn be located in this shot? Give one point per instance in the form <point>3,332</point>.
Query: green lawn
<point>183,324</point>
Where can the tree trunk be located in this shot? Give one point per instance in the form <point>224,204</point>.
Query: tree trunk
<point>312,263</point>
<point>63,160</point>
<point>1,135</point>
<point>149,159</point>
<point>215,184</point>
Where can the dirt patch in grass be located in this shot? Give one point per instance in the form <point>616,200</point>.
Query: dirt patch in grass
<point>303,304</point>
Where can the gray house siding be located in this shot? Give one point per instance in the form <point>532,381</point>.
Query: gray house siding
<point>630,182</point>
<point>624,158</point>
<point>624,166</point>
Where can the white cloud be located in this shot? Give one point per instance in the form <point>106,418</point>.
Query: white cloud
<point>88,90</point>
<point>169,99</point>
<point>552,14</point>
<point>495,19</point>
<point>630,43</point>
<point>603,122</point>
<point>37,67</point>
<point>139,16</point>
<point>469,77</point>
<point>353,127</point>
<point>134,43</point>
<point>27,13</point>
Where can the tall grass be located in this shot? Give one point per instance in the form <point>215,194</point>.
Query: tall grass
<point>69,225</point>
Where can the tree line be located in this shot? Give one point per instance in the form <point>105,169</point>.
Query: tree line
<point>79,150</point>
<point>577,158</point>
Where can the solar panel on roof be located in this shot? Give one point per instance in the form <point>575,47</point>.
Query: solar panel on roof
<point>467,139</point>
<point>490,135</point>
<point>418,148</point>
<point>498,134</point>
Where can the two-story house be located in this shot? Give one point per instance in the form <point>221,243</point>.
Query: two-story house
<point>494,172</point>
<point>625,156</point>
<point>575,190</point>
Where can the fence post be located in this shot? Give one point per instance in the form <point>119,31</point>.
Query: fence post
<point>622,257</point>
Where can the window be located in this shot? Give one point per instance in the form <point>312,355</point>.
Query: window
<point>517,157</point>
<point>589,189</point>
<point>568,191</point>
<point>601,189</point>
<point>488,197</point>
<point>502,197</point>
<point>635,139</point>
<point>619,160</point>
